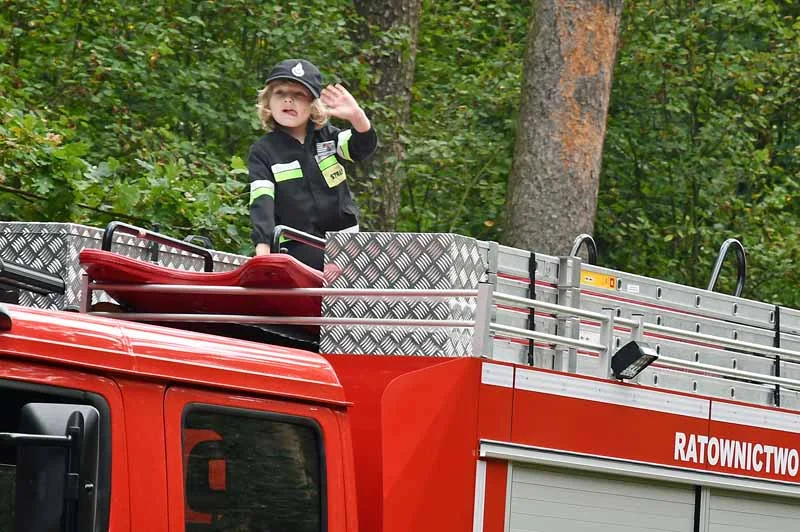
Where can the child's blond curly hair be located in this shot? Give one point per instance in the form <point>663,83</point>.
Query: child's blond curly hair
<point>319,114</point>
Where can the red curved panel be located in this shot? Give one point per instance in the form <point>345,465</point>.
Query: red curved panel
<point>266,271</point>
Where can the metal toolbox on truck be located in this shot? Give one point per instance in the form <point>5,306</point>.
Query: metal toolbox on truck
<point>54,248</point>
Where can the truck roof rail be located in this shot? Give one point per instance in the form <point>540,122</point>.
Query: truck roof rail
<point>591,247</point>
<point>294,234</point>
<point>25,278</point>
<point>158,238</point>
<point>741,265</point>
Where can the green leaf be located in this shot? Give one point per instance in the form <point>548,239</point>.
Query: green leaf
<point>72,150</point>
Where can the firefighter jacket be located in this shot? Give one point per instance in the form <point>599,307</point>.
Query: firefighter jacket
<point>304,186</point>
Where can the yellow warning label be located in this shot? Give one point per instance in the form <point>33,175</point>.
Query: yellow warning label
<point>600,280</point>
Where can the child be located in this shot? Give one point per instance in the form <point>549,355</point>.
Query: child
<point>296,173</point>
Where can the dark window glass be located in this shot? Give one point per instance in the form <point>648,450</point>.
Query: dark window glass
<point>14,396</point>
<point>7,490</point>
<point>251,472</point>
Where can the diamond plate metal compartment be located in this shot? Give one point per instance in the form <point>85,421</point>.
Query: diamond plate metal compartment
<point>401,261</point>
<point>54,248</point>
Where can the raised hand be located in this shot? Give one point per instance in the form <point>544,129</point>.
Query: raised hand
<point>341,104</point>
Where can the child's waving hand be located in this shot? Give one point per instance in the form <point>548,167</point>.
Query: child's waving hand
<point>341,104</point>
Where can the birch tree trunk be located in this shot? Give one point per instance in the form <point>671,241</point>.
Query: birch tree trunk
<point>395,77</point>
<point>568,65</point>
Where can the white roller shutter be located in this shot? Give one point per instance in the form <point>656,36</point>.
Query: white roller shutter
<point>742,512</point>
<point>560,500</point>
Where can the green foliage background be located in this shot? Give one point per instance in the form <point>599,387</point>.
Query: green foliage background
<point>703,143</point>
<point>144,112</point>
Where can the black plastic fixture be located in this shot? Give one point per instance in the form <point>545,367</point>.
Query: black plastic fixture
<point>631,359</point>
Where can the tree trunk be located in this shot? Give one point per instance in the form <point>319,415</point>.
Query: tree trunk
<point>569,60</point>
<point>392,90</point>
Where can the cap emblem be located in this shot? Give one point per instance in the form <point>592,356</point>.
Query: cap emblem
<point>297,70</point>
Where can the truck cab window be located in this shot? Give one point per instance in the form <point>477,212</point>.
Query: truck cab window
<point>251,472</point>
<point>41,430</point>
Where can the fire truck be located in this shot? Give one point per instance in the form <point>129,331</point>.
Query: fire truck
<point>422,382</point>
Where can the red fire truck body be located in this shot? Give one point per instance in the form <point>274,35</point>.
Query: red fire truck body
<point>409,443</point>
<point>196,432</point>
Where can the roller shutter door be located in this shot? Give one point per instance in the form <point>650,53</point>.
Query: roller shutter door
<point>740,512</point>
<point>556,500</point>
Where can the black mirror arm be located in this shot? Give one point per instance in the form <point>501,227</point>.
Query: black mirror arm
<point>38,440</point>
<point>73,477</point>
<point>19,276</point>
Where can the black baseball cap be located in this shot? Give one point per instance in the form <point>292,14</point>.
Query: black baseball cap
<point>298,70</point>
